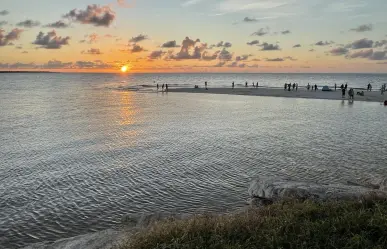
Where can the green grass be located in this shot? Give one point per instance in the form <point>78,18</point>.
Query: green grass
<point>283,225</point>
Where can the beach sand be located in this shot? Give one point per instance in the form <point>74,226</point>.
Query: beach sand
<point>373,96</point>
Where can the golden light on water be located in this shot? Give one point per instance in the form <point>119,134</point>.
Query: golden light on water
<point>124,69</point>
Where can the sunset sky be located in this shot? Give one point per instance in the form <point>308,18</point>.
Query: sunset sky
<point>194,35</point>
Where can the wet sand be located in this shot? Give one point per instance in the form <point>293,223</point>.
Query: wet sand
<point>373,96</point>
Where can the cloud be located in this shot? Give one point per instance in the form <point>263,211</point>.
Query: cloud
<point>378,55</point>
<point>220,64</point>
<point>362,28</point>
<point>209,57</point>
<point>4,12</point>
<point>123,3</point>
<point>28,24</point>
<point>233,64</point>
<point>97,64</point>
<point>260,32</point>
<point>170,44</point>
<point>269,47</point>
<point>6,39</point>
<point>138,38</point>
<point>18,65</point>
<point>248,19</point>
<point>242,57</point>
<point>54,64</point>
<point>186,46</point>
<point>362,54</point>
<point>223,44</point>
<point>285,32</point>
<point>94,14</point>
<point>338,51</point>
<point>297,46</point>
<point>255,42</point>
<point>92,51</point>
<point>51,40</point>
<point>362,43</point>
<point>156,54</point>
<point>290,58</point>
<point>57,25</point>
<point>225,55</point>
<point>321,43</point>
<point>2,23</point>
<point>380,43</point>
<point>92,38</point>
<point>137,49</point>
<point>190,2</point>
<point>275,59</point>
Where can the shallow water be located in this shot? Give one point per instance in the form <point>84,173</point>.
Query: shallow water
<point>78,152</point>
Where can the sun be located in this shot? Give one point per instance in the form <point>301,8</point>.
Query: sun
<point>124,69</point>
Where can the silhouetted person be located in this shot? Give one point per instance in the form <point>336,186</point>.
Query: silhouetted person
<point>285,86</point>
<point>308,86</point>
<point>346,86</point>
<point>315,87</point>
<point>296,86</point>
<point>233,85</point>
<point>256,85</point>
<point>246,84</point>
<point>343,92</point>
<point>351,93</point>
<point>157,86</point>
<point>162,87</point>
<point>289,86</point>
<point>342,87</point>
<point>205,84</point>
<point>253,84</point>
<point>335,86</point>
<point>166,87</point>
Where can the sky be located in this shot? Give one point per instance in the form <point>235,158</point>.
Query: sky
<point>330,36</point>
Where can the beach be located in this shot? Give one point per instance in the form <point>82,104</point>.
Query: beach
<point>373,96</point>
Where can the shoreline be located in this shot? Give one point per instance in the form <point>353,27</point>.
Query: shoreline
<point>373,96</point>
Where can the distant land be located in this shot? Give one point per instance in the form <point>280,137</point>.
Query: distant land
<point>26,72</point>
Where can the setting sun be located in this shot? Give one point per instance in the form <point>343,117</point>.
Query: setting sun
<point>124,69</point>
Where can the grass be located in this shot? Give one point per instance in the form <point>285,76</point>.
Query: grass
<point>298,225</point>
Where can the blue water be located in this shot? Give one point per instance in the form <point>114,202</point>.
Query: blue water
<point>79,151</point>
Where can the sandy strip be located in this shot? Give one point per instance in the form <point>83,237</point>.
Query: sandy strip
<point>374,96</point>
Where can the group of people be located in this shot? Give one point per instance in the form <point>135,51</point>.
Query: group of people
<point>162,87</point>
<point>290,85</point>
<point>315,88</point>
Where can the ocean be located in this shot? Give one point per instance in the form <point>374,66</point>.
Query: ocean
<point>79,151</point>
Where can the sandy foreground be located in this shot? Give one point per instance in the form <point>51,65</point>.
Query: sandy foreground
<point>374,96</point>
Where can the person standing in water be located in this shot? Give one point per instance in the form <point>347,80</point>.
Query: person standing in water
<point>162,87</point>
<point>346,86</point>
<point>253,84</point>
<point>233,85</point>
<point>285,86</point>
<point>166,87</point>
<point>308,86</point>
<point>315,87</point>
<point>157,86</point>
<point>246,84</point>
<point>256,85</point>
<point>335,86</point>
<point>343,92</point>
<point>205,84</point>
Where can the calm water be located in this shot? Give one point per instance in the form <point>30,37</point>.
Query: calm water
<point>77,152</point>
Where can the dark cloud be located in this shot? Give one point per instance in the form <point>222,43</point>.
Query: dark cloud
<point>94,14</point>
<point>209,57</point>
<point>92,38</point>
<point>225,55</point>
<point>275,59</point>
<point>297,46</point>
<point>233,64</point>
<point>269,47</point>
<point>248,19</point>
<point>362,43</point>
<point>222,44</point>
<point>4,12</point>
<point>380,43</point>
<point>137,49</point>
<point>285,32</point>
<point>28,24</point>
<point>378,55</point>
<point>322,43</point>
<point>242,57</point>
<point>156,54</point>
<point>361,54</point>
<point>57,25</point>
<point>255,42</point>
<point>170,44</point>
<point>338,51</point>
<point>51,40</point>
<point>2,23</point>
<point>6,39</point>
<point>242,65</point>
<point>138,38</point>
<point>260,32</point>
<point>92,51</point>
<point>362,28</point>
<point>187,45</point>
